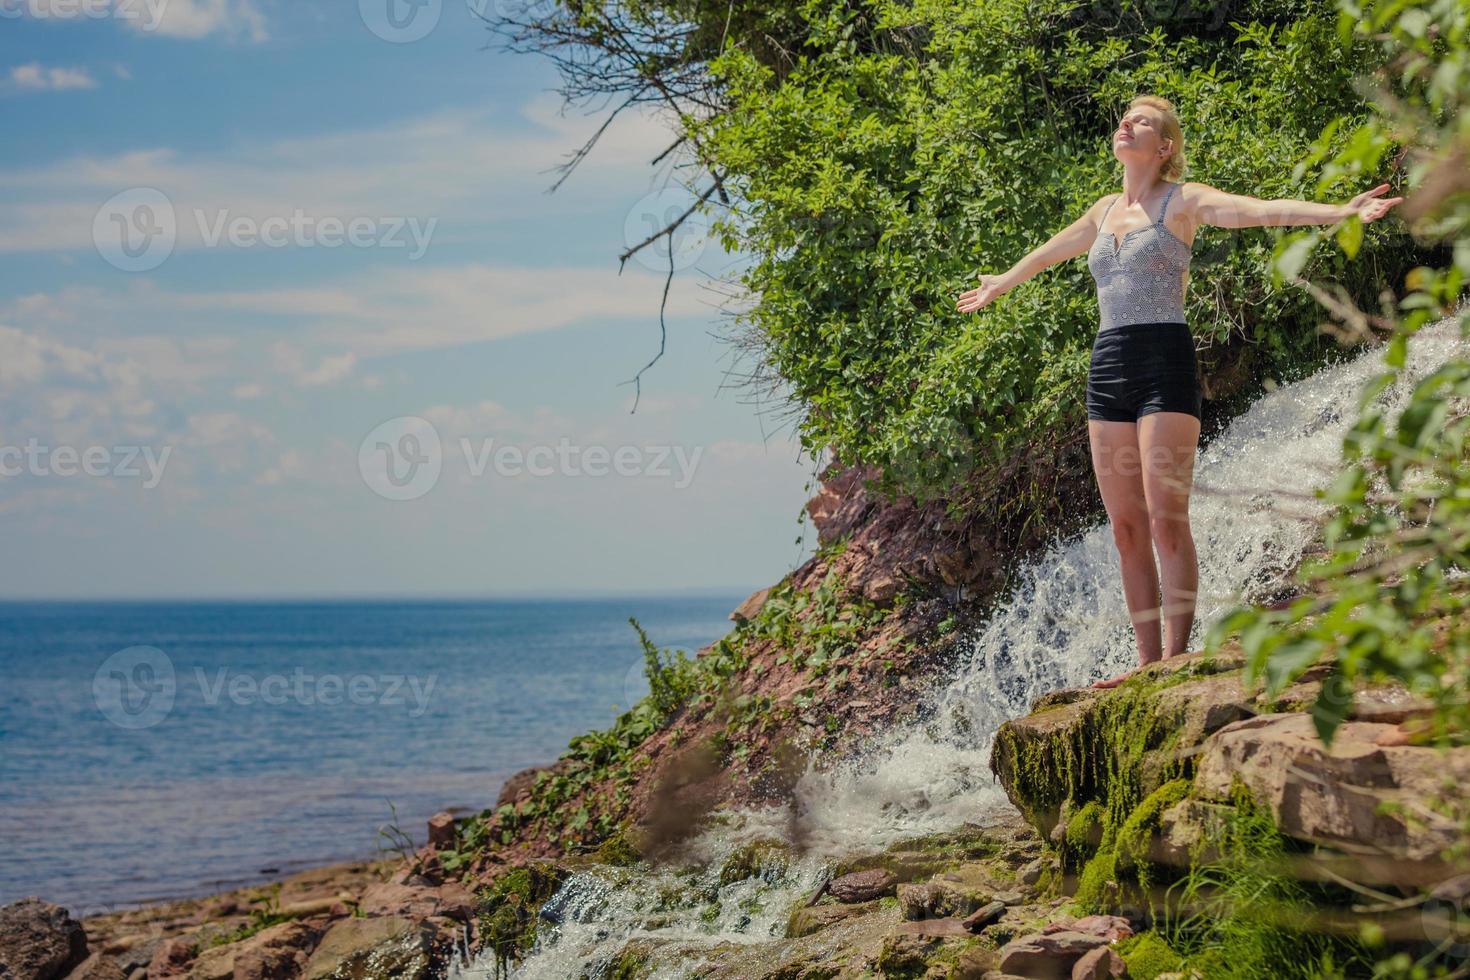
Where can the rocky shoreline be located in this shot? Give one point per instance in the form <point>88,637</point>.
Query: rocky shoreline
<point>1067,886</point>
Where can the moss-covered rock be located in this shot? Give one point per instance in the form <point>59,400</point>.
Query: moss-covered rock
<point>507,908</point>
<point>1147,956</point>
<point>807,919</point>
<point>767,859</point>
<point>1116,746</point>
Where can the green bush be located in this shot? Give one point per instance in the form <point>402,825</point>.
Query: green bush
<point>908,147</point>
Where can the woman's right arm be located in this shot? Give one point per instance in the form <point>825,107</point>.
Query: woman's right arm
<point>1071,241</point>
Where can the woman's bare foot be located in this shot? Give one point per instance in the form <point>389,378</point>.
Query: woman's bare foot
<point>1120,678</point>
<point>1115,681</point>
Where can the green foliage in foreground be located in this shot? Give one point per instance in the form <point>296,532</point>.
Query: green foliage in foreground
<point>1241,914</point>
<point>1388,600</point>
<point>914,145</point>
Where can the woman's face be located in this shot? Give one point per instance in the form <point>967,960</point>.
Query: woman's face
<point>1140,136</point>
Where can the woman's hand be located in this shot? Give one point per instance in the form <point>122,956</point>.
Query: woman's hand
<point>990,287</point>
<point>1368,207</point>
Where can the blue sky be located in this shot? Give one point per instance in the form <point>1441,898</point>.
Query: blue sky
<point>286,309</point>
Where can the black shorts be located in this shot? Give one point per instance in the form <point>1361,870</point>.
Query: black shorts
<point>1139,368</point>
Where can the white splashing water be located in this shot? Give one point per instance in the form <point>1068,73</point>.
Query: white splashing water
<point>1064,624</point>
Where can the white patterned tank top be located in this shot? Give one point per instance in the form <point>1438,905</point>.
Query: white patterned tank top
<point>1141,279</point>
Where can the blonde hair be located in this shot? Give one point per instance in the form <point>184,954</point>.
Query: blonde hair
<point>1173,167</point>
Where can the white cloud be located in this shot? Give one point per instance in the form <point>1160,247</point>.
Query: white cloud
<point>290,360</point>
<point>182,19</point>
<point>194,19</point>
<point>374,313</point>
<point>27,358</point>
<point>467,168</point>
<point>329,371</point>
<point>36,77</point>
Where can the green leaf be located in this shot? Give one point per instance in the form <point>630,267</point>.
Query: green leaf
<point>1350,236</point>
<point>1334,703</point>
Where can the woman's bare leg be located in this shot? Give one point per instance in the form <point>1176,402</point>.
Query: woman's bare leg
<point>1117,465</point>
<point>1168,441</point>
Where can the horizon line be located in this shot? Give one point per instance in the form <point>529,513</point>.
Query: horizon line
<point>703,591</point>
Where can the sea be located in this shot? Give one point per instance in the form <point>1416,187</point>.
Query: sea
<point>160,750</point>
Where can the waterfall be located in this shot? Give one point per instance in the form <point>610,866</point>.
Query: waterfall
<point>1063,624</point>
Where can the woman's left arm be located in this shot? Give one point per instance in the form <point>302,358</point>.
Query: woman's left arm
<point>1215,207</point>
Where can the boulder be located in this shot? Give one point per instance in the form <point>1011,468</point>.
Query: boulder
<point>862,886</point>
<point>934,928</point>
<point>1336,796</point>
<point>441,832</point>
<point>1047,956</point>
<point>171,958</point>
<point>942,896</point>
<point>1101,963</point>
<point>277,953</point>
<point>39,941</point>
<point>368,949</point>
<point>815,918</point>
<point>1109,927</point>
<point>752,606</point>
<point>1187,828</point>
<point>415,901</point>
<point>984,916</point>
<point>518,786</point>
<point>98,966</point>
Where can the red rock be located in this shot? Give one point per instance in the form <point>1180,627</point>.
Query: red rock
<point>984,916</point>
<point>417,901</point>
<point>1047,956</point>
<point>171,959</point>
<point>932,927</point>
<point>441,832</point>
<point>862,886</point>
<point>518,786</point>
<point>39,940</point>
<point>752,606</point>
<point>1109,927</point>
<point>98,967</point>
<point>1101,963</point>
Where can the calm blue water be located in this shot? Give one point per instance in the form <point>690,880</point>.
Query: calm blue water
<point>152,750</point>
